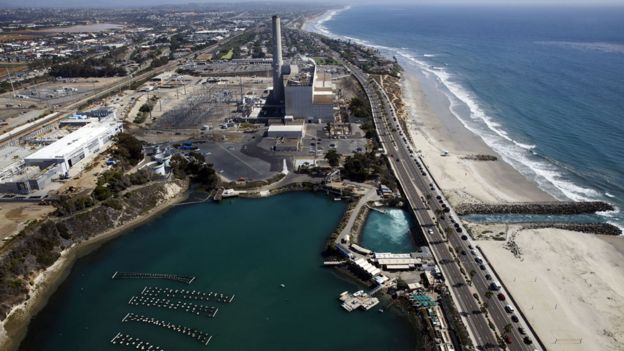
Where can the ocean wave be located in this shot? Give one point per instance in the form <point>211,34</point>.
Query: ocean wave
<point>617,48</point>
<point>521,156</point>
<point>429,55</point>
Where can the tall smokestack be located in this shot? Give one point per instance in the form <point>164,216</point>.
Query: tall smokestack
<point>278,84</point>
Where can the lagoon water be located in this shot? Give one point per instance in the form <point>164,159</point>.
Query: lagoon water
<point>388,231</point>
<point>242,247</point>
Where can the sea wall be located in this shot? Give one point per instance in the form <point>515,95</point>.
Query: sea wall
<point>539,208</point>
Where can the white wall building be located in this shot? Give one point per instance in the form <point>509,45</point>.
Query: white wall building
<point>309,94</point>
<point>293,131</point>
<point>74,147</point>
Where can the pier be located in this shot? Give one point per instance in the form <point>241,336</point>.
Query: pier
<point>136,343</point>
<point>200,336</point>
<point>358,299</point>
<point>137,275</point>
<point>186,294</point>
<point>188,307</point>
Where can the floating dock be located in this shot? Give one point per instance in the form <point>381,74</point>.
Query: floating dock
<point>200,336</point>
<point>358,299</point>
<point>186,294</point>
<point>137,275</point>
<point>188,307</point>
<point>131,341</point>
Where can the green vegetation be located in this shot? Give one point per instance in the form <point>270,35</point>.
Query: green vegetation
<point>228,55</point>
<point>360,108</point>
<point>194,166</point>
<point>92,67</point>
<point>333,158</point>
<point>128,150</point>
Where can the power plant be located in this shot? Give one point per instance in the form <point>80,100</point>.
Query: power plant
<point>278,82</point>
<point>305,91</point>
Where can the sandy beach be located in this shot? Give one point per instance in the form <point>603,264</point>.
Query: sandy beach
<point>461,180</point>
<point>13,329</point>
<point>569,285</point>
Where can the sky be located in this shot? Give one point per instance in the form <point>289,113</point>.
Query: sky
<point>117,3</point>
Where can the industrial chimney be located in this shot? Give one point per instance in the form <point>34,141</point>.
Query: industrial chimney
<point>278,83</point>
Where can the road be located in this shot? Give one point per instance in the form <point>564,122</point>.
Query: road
<point>428,205</point>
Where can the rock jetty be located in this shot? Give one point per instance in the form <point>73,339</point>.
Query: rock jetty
<point>537,208</point>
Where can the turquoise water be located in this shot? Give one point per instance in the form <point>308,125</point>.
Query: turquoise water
<point>242,247</point>
<point>542,86</point>
<point>388,232</point>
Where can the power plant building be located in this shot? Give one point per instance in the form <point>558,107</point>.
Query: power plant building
<point>305,92</point>
<point>309,94</point>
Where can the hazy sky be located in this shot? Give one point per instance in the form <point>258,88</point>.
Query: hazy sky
<point>117,3</point>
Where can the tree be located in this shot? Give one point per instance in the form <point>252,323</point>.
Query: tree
<point>356,168</point>
<point>333,158</point>
<point>129,148</point>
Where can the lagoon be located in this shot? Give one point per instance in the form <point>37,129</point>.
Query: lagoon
<point>243,247</point>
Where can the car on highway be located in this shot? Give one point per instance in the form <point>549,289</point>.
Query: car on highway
<point>501,296</point>
<point>527,340</point>
<point>508,339</point>
<point>509,308</point>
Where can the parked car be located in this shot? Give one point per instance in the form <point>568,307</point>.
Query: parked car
<point>527,340</point>
<point>501,296</point>
<point>521,331</point>
<point>509,308</point>
<point>508,339</point>
<point>514,318</point>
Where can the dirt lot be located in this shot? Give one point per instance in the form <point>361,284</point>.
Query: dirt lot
<point>14,216</point>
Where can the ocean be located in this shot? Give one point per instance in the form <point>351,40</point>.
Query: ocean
<point>244,247</point>
<point>542,86</point>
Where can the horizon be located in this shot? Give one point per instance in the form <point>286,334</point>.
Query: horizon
<point>97,4</point>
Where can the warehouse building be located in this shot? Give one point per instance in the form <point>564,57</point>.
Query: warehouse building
<point>291,131</point>
<point>68,151</point>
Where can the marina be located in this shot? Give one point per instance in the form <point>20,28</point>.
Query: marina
<point>196,309</point>
<point>136,275</point>
<point>152,291</point>
<point>200,336</point>
<point>134,342</point>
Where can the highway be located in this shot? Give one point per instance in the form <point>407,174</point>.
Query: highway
<point>444,237</point>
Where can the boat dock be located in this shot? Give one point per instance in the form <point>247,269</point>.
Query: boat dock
<point>137,275</point>
<point>358,299</point>
<point>136,343</point>
<point>200,336</point>
<point>186,294</point>
<point>188,307</point>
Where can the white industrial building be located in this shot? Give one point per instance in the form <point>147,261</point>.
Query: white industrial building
<point>308,93</point>
<point>291,131</point>
<point>74,147</point>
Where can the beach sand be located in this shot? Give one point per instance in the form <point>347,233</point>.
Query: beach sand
<point>13,329</point>
<point>461,180</point>
<point>569,285</point>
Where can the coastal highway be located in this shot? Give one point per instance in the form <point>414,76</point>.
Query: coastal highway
<point>426,201</point>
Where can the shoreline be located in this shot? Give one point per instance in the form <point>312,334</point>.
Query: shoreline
<point>14,328</point>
